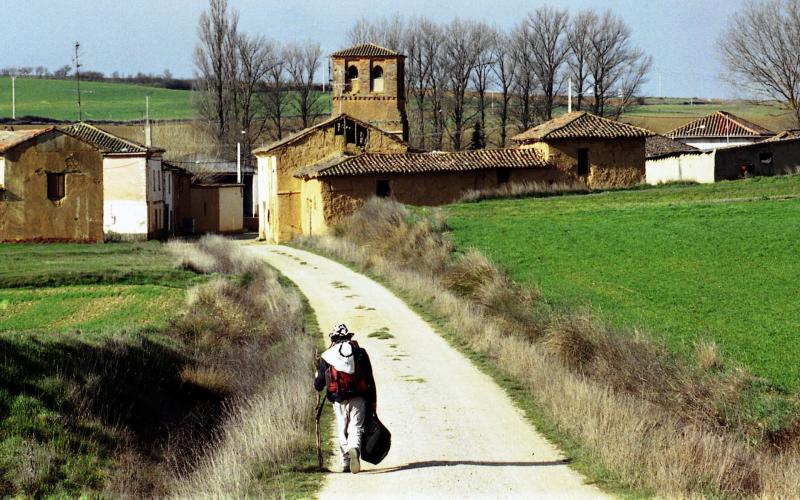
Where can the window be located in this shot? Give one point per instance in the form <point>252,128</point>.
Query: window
<point>377,79</point>
<point>361,136</point>
<point>503,176</point>
<point>349,132</point>
<point>351,80</point>
<point>383,190</point>
<point>55,186</point>
<point>583,162</point>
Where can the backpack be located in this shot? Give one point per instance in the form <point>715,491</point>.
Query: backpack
<point>346,385</point>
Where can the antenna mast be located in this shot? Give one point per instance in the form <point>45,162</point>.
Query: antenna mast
<point>78,80</point>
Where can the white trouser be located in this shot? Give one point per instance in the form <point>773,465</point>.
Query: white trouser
<point>350,418</point>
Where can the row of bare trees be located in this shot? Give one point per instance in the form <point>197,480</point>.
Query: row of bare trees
<point>247,85</point>
<point>455,70</point>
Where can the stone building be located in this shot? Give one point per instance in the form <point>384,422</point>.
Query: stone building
<point>51,187</point>
<point>586,147</point>
<point>368,83</point>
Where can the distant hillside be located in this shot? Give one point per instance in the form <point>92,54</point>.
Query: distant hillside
<point>56,99</point>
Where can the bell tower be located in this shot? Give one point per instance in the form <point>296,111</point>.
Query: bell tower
<point>368,84</point>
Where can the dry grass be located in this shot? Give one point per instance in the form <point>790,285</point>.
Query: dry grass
<point>246,330</point>
<point>655,420</point>
<point>526,189</point>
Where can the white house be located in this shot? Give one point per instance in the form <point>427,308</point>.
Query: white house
<point>719,130</point>
<point>137,191</point>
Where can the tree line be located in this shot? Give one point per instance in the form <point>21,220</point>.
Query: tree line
<point>454,69</point>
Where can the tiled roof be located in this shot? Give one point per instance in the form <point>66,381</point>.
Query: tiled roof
<point>366,50</point>
<point>414,163</point>
<point>106,141</point>
<point>299,135</point>
<point>784,135</point>
<point>659,146</point>
<point>581,125</point>
<point>9,139</point>
<point>720,124</point>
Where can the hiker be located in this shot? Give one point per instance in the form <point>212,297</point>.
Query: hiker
<point>346,371</point>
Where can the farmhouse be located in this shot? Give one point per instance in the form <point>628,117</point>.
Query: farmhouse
<point>583,146</point>
<point>51,187</point>
<point>137,191</point>
<point>719,130</point>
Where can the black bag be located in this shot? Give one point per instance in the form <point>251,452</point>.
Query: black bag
<point>376,441</point>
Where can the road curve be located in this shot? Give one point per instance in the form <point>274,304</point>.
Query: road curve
<point>456,434</point>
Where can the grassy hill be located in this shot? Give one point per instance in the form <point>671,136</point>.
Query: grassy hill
<point>100,101</point>
<point>684,262</point>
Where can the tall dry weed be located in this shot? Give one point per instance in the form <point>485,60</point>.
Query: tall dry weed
<point>651,418</point>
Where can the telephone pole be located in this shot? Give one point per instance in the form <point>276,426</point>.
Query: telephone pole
<point>13,97</point>
<point>78,79</point>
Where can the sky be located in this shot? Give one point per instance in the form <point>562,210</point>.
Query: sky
<point>150,36</point>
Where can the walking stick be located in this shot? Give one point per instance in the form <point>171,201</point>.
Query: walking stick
<point>316,424</point>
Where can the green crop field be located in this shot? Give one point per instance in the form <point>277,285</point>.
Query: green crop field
<point>683,262</point>
<point>56,99</point>
<point>81,337</point>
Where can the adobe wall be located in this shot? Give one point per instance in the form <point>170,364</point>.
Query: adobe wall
<point>231,199</point>
<point>285,211</point>
<point>785,159</point>
<point>612,162</point>
<point>205,209</point>
<point>341,196</point>
<point>26,214</point>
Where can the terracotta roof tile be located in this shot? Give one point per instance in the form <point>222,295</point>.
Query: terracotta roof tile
<point>366,50</point>
<point>412,163</point>
<point>299,135</point>
<point>659,146</point>
<point>792,133</point>
<point>720,124</point>
<point>9,139</point>
<point>106,141</point>
<point>581,125</point>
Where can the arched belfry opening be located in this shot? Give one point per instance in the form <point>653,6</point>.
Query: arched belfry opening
<point>377,79</point>
<point>351,80</point>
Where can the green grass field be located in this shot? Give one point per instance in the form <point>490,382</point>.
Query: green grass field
<point>56,99</point>
<point>683,262</point>
<point>80,341</point>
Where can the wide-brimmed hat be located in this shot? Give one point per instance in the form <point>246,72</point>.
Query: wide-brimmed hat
<point>340,332</point>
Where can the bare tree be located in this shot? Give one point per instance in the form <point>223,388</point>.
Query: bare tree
<point>302,63</point>
<point>545,32</point>
<point>214,32</point>
<point>579,38</point>
<point>277,98</point>
<point>460,53</point>
<point>385,32</point>
<point>253,58</point>
<point>422,45</point>
<point>504,68</point>
<point>482,74</point>
<point>615,65</point>
<point>760,49</point>
<point>525,82</point>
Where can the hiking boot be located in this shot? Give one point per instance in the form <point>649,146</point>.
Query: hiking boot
<point>355,461</point>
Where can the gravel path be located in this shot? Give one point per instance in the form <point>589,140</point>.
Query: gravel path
<point>455,433</point>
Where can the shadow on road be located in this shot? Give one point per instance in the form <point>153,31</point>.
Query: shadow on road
<point>449,463</point>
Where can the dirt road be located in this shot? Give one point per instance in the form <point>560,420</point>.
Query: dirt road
<point>456,434</point>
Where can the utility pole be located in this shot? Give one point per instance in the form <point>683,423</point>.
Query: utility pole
<point>13,97</point>
<point>78,79</point>
<point>569,96</point>
<point>148,138</point>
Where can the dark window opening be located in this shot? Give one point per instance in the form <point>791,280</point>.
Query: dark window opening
<point>361,136</point>
<point>351,80</point>
<point>503,176</point>
<point>377,79</point>
<point>350,132</point>
<point>383,189</point>
<point>338,128</point>
<point>765,159</point>
<point>56,186</point>
<point>583,161</point>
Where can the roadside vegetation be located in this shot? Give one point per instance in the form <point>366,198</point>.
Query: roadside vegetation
<point>114,382</point>
<point>632,413</point>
